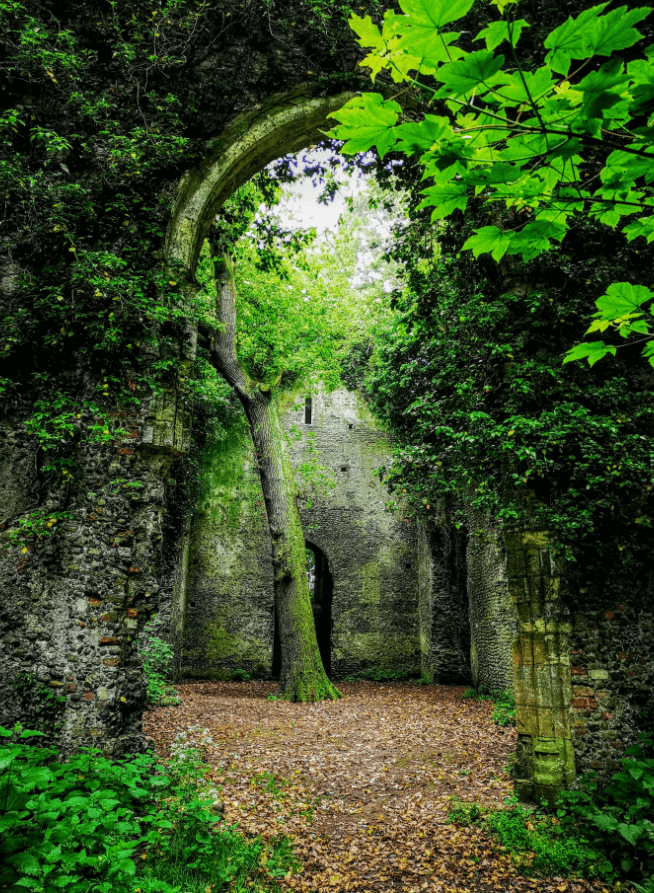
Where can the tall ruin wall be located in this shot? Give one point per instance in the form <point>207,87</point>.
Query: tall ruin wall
<point>373,556</point>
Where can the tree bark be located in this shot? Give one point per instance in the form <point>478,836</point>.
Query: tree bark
<point>302,675</point>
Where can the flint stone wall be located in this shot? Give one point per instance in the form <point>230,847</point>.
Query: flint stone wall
<point>73,603</point>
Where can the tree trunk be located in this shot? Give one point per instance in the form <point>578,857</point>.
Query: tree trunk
<point>302,675</point>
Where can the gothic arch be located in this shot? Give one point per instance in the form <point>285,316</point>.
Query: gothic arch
<point>286,123</point>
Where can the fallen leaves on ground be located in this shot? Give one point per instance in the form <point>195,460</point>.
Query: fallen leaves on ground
<point>363,786</point>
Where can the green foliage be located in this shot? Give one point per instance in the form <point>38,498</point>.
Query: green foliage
<point>36,525</point>
<point>619,818</point>
<point>117,826</point>
<point>504,709</point>
<point>157,658</point>
<point>520,137</point>
<point>469,377</point>
<point>241,676</point>
<point>123,100</point>
<point>40,704</point>
<point>595,832</point>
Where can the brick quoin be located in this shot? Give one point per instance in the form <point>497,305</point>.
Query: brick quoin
<point>578,671</point>
<point>88,696</point>
<point>108,640</point>
<point>609,615</point>
<point>578,703</point>
<point>125,451</point>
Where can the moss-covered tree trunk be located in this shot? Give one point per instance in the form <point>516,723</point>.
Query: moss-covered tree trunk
<point>302,675</point>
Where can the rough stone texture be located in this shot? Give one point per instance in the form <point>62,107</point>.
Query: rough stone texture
<point>73,603</point>
<point>229,614</point>
<point>492,614</point>
<point>545,758</point>
<point>373,556</point>
<point>443,609</point>
<point>612,658</point>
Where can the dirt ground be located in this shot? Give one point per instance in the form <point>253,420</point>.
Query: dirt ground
<point>363,786</point>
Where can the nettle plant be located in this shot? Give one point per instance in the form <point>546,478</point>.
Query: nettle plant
<point>571,138</point>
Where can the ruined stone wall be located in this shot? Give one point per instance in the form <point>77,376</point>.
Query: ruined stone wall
<point>373,556</point>
<point>72,604</point>
<point>493,621</point>
<point>229,606</point>
<point>444,621</point>
<point>612,667</point>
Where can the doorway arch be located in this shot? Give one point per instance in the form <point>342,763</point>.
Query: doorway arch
<point>286,123</point>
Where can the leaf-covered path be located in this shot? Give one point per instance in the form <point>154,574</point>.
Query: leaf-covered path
<point>363,786</point>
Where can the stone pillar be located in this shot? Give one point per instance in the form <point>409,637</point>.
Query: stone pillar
<point>541,666</point>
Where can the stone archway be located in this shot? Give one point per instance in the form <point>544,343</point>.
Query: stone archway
<point>284,124</point>
<point>322,593</point>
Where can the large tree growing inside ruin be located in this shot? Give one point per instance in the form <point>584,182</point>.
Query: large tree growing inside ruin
<point>279,332</point>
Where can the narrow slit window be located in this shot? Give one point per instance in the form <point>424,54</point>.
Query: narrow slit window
<point>307,411</point>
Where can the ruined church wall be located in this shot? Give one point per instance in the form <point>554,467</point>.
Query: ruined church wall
<point>373,556</point>
<point>229,600</point>
<point>444,621</point>
<point>492,613</point>
<point>73,603</point>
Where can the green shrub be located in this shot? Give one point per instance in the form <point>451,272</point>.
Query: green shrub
<point>157,657</point>
<point>241,676</point>
<point>503,708</point>
<point>504,704</point>
<point>620,817</point>
<point>537,842</point>
<point>95,825</point>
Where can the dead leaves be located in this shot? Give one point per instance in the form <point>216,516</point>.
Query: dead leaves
<point>362,786</point>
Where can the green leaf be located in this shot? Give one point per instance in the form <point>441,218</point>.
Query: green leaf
<point>631,833</point>
<point>605,821</point>
<point>614,31</point>
<point>444,199</point>
<point>593,351</point>
<point>368,33</point>
<point>367,120</point>
<point>27,863</point>
<point>489,240</point>
<point>603,90</point>
<point>420,137</point>
<point>644,226</point>
<point>497,32</point>
<point>477,70</point>
<point>570,40</point>
<point>434,14</point>
<point>529,86</point>
<point>620,299</point>
<point>535,237</point>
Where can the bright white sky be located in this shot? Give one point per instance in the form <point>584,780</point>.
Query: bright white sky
<point>300,208</point>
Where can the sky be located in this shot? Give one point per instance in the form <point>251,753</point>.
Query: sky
<point>301,209</point>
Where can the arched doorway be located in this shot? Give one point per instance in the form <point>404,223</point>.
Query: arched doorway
<point>321,590</point>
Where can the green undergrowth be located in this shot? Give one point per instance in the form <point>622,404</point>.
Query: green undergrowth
<point>132,825</point>
<point>503,704</point>
<point>157,659</point>
<point>537,842</point>
<point>592,832</point>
